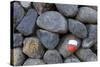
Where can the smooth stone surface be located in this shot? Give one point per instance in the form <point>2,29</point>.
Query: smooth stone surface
<point>31,61</point>
<point>18,57</point>
<point>92,36</point>
<point>77,28</point>
<point>48,39</point>
<point>32,47</point>
<point>87,15</point>
<point>71,59</point>
<point>17,40</point>
<point>25,4</point>
<point>52,57</point>
<point>64,42</point>
<point>18,13</point>
<point>52,21</point>
<point>86,55</point>
<point>27,25</point>
<point>67,9</point>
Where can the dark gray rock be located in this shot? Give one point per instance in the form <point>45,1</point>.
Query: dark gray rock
<point>48,39</point>
<point>52,57</point>
<point>18,13</point>
<point>86,55</point>
<point>52,21</point>
<point>77,28</point>
<point>62,48</point>
<point>31,61</point>
<point>67,10</point>
<point>27,25</point>
<point>17,40</point>
<point>71,59</point>
<point>32,47</point>
<point>92,36</point>
<point>18,57</point>
<point>87,15</point>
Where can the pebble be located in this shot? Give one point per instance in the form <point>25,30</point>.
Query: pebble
<point>31,61</point>
<point>48,39</point>
<point>52,57</point>
<point>17,40</point>
<point>77,28</point>
<point>27,25</point>
<point>62,47</point>
<point>67,10</point>
<point>87,15</point>
<point>25,4</point>
<point>52,21</point>
<point>32,47</point>
<point>92,36</point>
<point>71,59</point>
<point>18,13</point>
<point>86,55</point>
<point>18,57</point>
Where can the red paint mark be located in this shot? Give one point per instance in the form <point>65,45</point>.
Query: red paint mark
<point>71,47</point>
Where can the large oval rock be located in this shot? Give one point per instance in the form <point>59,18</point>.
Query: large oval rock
<point>77,28</point>
<point>52,57</point>
<point>52,21</point>
<point>67,10</point>
<point>17,40</point>
<point>27,25</point>
<point>31,61</point>
<point>32,47</point>
<point>87,15</point>
<point>86,55</point>
<point>65,42</point>
<point>48,39</point>
<point>18,57</point>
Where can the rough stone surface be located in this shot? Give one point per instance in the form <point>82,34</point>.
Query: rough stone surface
<point>32,48</point>
<point>48,39</point>
<point>52,21</point>
<point>87,15</point>
<point>18,57</point>
<point>25,4</point>
<point>27,25</point>
<point>17,40</point>
<point>52,57</point>
<point>31,61</point>
<point>86,55</point>
<point>64,42</point>
<point>77,28</point>
<point>67,10</point>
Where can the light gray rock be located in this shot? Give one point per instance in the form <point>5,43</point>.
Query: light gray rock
<point>67,9</point>
<point>52,21</point>
<point>52,57</point>
<point>27,25</point>
<point>25,4</point>
<point>48,39</point>
<point>31,61</point>
<point>17,40</point>
<point>77,28</point>
<point>86,55</point>
<point>87,15</point>
<point>32,47</point>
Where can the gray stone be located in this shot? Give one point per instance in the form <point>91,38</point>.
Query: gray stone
<point>48,39</point>
<point>32,47</point>
<point>52,57</point>
<point>86,55</point>
<point>77,28</point>
<point>25,4</point>
<point>18,57</point>
<point>67,10</point>
<point>63,45</point>
<point>87,15</point>
<point>18,13</point>
<point>31,61</point>
<point>17,40</point>
<point>71,59</point>
<point>27,25</point>
<point>52,21</point>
